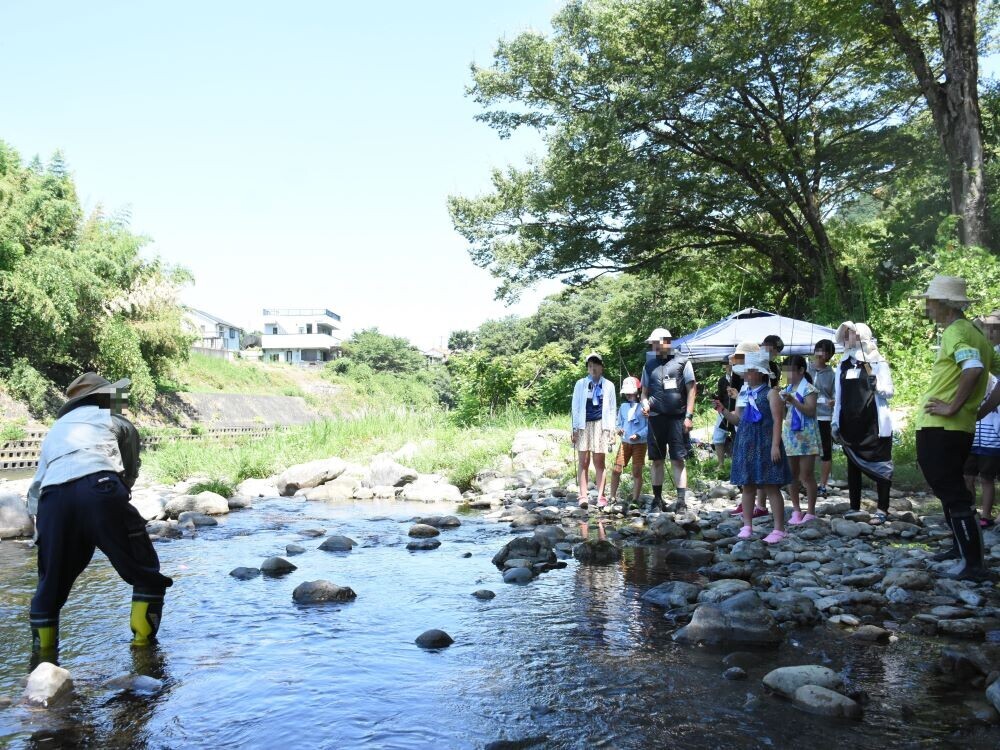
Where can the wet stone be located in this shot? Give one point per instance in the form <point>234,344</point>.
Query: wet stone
<point>434,639</point>
<point>735,673</point>
<point>484,594</point>
<point>787,680</point>
<point>599,552</point>
<point>423,531</point>
<point>244,574</point>
<point>423,545</point>
<point>518,575</point>
<point>318,592</point>
<point>822,701</point>
<point>338,543</point>
<point>276,566</point>
<point>294,549</point>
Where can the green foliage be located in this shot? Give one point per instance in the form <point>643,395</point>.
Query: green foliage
<point>218,486</point>
<point>11,432</point>
<point>461,341</point>
<point>26,384</point>
<point>202,373</point>
<point>383,353</point>
<point>381,389</point>
<point>75,292</point>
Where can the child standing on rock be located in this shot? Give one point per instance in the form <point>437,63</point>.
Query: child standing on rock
<point>633,428</point>
<point>800,434</point>
<point>825,380</point>
<point>759,459</point>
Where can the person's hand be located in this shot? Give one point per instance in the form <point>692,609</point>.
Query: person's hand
<point>645,407</point>
<point>633,438</point>
<point>621,432</point>
<point>775,454</point>
<point>688,424</point>
<point>733,393</point>
<point>835,435</point>
<point>939,408</point>
<point>717,405</point>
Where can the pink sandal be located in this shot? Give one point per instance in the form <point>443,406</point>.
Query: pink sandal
<point>774,537</point>
<point>602,502</point>
<point>796,518</point>
<point>746,532</point>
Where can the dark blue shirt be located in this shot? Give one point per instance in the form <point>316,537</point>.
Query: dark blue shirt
<point>594,411</point>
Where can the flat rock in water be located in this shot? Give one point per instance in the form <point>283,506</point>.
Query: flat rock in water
<point>871,634</point>
<point>294,549</point>
<point>238,502</point>
<point>597,552</point>
<point>423,545</point>
<point>423,531</point>
<point>426,491</point>
<point>244,574</point>
<point>786,680</point>
<point>741,620</point>
<point>518,575</point>
<point>993,694</point>
<point>484,594</point>
<point>209,503</point>
<point>276,566</point>
<point>671,594</point>
<point>308,475</point>
<point>253,488</point>
<point>136,683</point>
<point>735,673</point>
<point>434,639</point>
<point>385,471</point>
<point>312,533</point>
<point>317,592</point>
<point>337,543</point>
<point>816,699</point>
<point>47,683</point>
<point>198,519</point>
<point>440,522</point>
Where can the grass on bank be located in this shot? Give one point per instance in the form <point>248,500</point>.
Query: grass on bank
<point>443,447</point>
<point>204,374</point>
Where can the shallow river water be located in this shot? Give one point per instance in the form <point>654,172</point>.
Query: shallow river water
<point>574,657</point>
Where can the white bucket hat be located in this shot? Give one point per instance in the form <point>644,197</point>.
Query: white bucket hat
<point>658,334</point>
<point>738,358</point>
<point>759,361</point>
<point>947,289</point>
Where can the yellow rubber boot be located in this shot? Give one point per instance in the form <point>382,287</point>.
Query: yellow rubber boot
<point>44,639</point>
<point>142,628</point>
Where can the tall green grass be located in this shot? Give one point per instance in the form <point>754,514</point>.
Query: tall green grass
<point>442,447</point>
<point>204,374</point>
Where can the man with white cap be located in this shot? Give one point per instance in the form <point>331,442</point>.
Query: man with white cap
<point>80,494</point>
<point>946,421</point>
<point>669,390</point>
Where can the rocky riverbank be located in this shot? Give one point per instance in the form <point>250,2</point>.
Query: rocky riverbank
<point>856,582</point>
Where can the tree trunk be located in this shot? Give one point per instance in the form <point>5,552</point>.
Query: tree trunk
<point>954,105</point>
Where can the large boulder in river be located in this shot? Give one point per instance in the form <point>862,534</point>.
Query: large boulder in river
<point>149,504</point>
<point>597,552</point>
<point>209,503</point>
<point>815,699</point>
<point>14,518</point>
<point>254,488</point>
<point>786,680</point>
<point>308,475</point>
<point>318,592</point>
<point>536,550</point>
<point>741,620</point>
<point>431,490</point>
<point>337,490</point>
<point>671,594</point>
<point>385,471</point>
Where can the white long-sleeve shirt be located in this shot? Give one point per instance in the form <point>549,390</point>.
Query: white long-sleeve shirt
<point>609,404</point>
<point>79,443</point>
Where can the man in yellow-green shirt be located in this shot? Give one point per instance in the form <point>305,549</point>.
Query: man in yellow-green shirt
<point>946,420</point>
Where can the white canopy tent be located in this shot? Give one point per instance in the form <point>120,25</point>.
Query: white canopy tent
<point>714,342</point>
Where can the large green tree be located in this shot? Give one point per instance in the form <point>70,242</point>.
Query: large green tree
<point>682,132</point>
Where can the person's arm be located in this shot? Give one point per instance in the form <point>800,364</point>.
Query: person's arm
<point>966,383</point>
<point>35,488</point>
<point>777,416</point>
<point>692,394</point>
<point>991,402</point>
<point>835,413</point>
<point>620,421</point>
<point>574,413</point>
<point>642,434</point>
<point>732,417</point>
<point>128,446</point>
<point>808,407</point>
<point>609,406</point>
<point>884,386</point>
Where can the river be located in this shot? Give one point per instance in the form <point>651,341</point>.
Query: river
<point>574,657</point>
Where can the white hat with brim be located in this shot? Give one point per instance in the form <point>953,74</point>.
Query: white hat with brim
<point>946,289</point>
<point>659,334</point>
<point>842,330</point>
<point>90,384</point>
<point>759,361</point>
<point>595,356</point>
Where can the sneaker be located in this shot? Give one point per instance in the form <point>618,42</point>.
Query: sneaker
<point>774,537</point>
<point>758,512</point>
<point>746,532</point>
<point>796,518</point>
<point>738,511</point>
<point>808,517</point>
<point>823,491</point>
<point>985,523</point>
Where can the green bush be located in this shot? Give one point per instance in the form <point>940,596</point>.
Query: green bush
<point>218,486</point>
<point>27,384</point>
<point>11,432</point>
<point>120,356</point>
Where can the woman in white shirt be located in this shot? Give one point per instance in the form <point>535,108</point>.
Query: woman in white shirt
<point>594,414</point>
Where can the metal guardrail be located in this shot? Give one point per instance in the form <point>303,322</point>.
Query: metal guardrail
<point>22,455</point>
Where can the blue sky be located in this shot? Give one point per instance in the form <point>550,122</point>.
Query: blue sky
<point>289,154</point>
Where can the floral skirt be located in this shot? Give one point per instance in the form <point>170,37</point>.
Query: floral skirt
<point>594,439</point>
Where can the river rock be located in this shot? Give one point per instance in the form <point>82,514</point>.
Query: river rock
<point>294,549</point>
<point>196,519</point>
<point>993,694</point>
<point>819,700</point>
<point>534,549</point>
<point>908,579</point>
<point>14,519</point>
<point>276,566</point>
<point>747,549</point>
<point>735,673</point>
<point>741,620</point>
<point>338,543</point>
<point>518,575</point>
<point>136,683</point>
<point>47,683</point>
<point>439,522</point>
<point>312,533</point>
<point>308,475</point>
<point>665,528</point>
<point>208,503</point>
<point>792,606</point>
<point>238,502</point>
<point>384,470</point>
<point>423,545</point>
<point>434,639</point>
<point>149,505</point>
<point>554,534</point>
<point>316,592</point>
<point>718,591</point>
<point>336,490</point>
<point>431,491</point>
<point>422,531</point>
<point>845,528</point>
<point>787,680</point>
<point>484,594</point>
<point>671,594</point>
<point>254,488</point>
<point>244,574</point>
<point>597,552</point>
<point>163,530</point>
<point>871,634</point>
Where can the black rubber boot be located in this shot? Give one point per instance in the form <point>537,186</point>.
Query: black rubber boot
<point>970,544</point>
<point>952,553</point>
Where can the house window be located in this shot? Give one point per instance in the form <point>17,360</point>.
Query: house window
<point>309,328</point>
<point>274,330</point>
<point>232,333</point>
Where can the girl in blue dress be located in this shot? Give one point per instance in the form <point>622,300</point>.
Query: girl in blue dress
<point>759,459</point>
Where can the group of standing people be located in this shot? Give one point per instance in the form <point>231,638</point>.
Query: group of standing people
<point>778,434</point>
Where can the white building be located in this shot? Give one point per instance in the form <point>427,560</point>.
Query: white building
<point>300,335</point>
<point>214,335</point>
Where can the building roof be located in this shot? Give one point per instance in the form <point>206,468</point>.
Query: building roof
<point>300,312</point>
<point>214,318</point>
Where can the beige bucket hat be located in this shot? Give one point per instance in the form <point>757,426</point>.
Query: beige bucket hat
<point>947,289</point>
<point>90,384</point>
<point>659,334</point>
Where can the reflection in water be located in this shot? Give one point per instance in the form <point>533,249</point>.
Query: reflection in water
<point>574,657</point>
